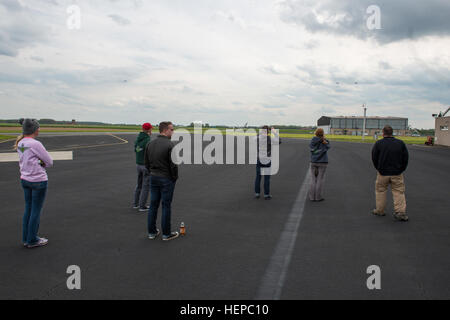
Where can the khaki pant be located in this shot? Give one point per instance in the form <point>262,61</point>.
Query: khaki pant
<point>398,192</point>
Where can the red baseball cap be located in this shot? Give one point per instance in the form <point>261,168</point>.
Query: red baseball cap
<point>147,126</point>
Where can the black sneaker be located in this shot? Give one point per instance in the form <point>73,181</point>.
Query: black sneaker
<point>257,196</point>
<point>401,217</point>
<point>376,213</point>
<point>144,209</point>
<point>268,197</point>
<point>153,236</point>
<point>172,236</point>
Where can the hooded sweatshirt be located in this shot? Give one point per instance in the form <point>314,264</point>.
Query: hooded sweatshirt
<point>139,147</point>
<point>33,160</point>
<point>319,151</point>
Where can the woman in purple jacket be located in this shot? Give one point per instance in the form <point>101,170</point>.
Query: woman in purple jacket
<point>33,161</point>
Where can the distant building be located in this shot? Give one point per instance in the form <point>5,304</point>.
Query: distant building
<point>442,134</point>
<point>354,125</point>
<point>74,121</point>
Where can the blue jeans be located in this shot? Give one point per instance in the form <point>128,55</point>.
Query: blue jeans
<point>142,187</point>
<point>258,180</point>
<point>34,200</point>
<point>161,190</point>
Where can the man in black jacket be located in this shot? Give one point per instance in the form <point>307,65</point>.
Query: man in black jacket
<point>390,158</point>
<point>163,176</point>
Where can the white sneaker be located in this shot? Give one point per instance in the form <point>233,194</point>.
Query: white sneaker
<point>41,242</point>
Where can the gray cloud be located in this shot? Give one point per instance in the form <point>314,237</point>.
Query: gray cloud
<point>18,28</point>
<point>384,65</point>
<point>385,87</point>
<point>400,19</point>
<point>37,59</point>
<point>119,19</point>
<point>272,70</point>
<point>312,44</point>
<point>95,76</point>
<point>12,5</point>
<point>274,106</point>
<point>224,69</point>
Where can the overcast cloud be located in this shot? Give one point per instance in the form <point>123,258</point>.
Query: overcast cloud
<point>224,61</point>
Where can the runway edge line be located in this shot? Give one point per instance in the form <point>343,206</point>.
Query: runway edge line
<point>275,276</point>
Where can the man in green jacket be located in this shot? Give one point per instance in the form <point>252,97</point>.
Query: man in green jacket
<point>143,181</point>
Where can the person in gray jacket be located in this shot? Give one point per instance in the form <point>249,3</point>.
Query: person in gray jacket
<point>319,161</point>
<point>163,177</point>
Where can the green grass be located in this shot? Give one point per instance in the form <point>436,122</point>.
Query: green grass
<point>407,140</point>
<point>69,126</point>
<point>284,133</point>
<point>296,131</point>
<point>307,135</point>
<point>3,138</point>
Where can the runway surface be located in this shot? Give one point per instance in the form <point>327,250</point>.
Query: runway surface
<point>231,237</point>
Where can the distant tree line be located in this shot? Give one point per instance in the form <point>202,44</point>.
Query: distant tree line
<point>207,125</point>
<point>52,121</point>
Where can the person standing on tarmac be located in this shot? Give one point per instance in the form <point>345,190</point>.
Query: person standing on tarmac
<point>390,157</point>
<point>163,177</point>
<point>263,165</point>
<point>143,176</point>
<point>264,140</point>
<point>319,162</point>
<point>34,158</point>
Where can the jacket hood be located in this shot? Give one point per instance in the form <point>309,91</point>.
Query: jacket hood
<point>142,136</point>
<point>315,140</point>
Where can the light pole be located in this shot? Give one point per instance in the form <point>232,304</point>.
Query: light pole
<point>364,123</point>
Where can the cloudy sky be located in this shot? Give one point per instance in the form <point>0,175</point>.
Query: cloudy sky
<point>223,61</point>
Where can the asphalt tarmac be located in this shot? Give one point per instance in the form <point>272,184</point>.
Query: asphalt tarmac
<point>231,237</point>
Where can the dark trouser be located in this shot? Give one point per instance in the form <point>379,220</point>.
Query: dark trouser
<point>162,190</point>
<point>317,181</point>
<point>258,180</point>
<point>34,200</point>
<point>142,187</point>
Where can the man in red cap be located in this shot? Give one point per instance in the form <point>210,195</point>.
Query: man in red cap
<point>143,182</point>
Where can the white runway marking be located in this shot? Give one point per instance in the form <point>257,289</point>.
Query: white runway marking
<point>57,156</point>
<point>275,275</point>
<point>122,141</point>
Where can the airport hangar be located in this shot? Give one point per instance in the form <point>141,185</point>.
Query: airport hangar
<point>353,125</point>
